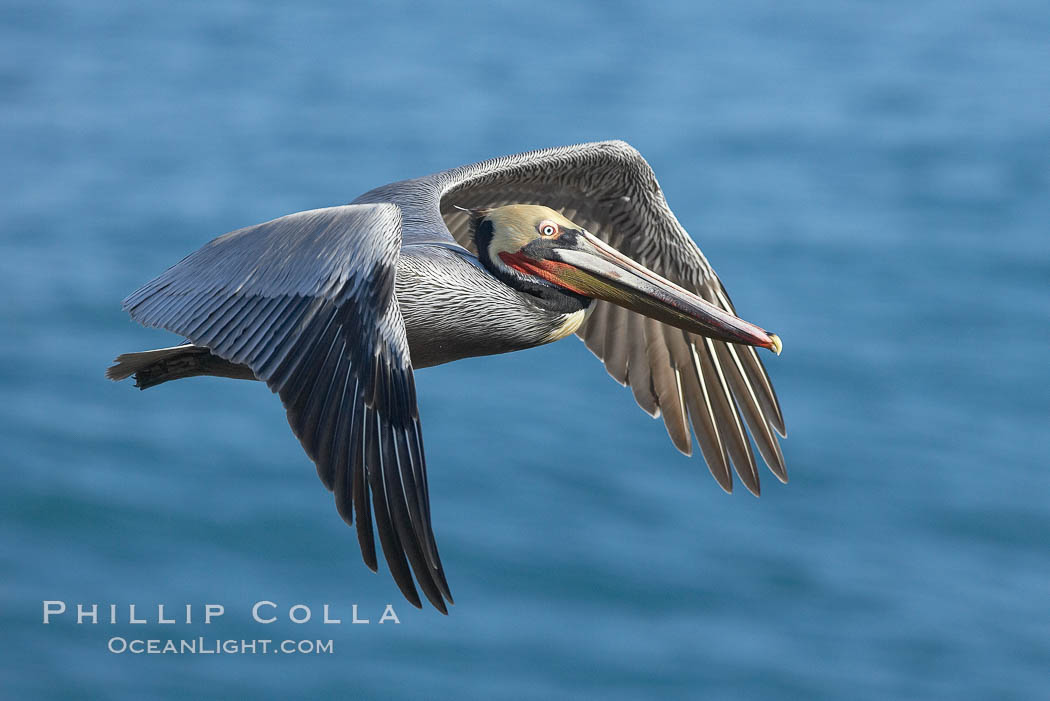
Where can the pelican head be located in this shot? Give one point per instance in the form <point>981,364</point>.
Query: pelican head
<point>536,250</point>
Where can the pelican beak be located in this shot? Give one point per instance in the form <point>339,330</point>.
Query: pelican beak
<point>587,265</point>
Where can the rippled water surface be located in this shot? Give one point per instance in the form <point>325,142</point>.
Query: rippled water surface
<point>870,180</point>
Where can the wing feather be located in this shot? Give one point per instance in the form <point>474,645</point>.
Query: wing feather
<point>702,413</point>
<point>639,372</point>
<point>665,381</point>
<point>597,322</point>
<point>616,345</point>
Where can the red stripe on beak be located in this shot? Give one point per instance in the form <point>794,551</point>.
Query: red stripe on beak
<point>547,269</point>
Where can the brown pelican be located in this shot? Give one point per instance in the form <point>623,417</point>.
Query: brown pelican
<point>334,308</point>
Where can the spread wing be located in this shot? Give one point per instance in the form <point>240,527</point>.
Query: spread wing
<point>307,302</point>
<point>721,389</point>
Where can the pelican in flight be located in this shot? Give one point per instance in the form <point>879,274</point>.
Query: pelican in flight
<point>335,308</point>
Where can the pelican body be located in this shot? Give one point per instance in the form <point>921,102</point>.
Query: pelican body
<point>447,319</point>
<point>335,308</point>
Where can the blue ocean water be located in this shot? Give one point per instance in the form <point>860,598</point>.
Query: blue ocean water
<point>871,181</point>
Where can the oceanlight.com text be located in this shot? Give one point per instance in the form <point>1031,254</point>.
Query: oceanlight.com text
<point>215,646</point>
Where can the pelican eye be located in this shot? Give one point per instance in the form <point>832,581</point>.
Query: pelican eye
<point>548,229</point>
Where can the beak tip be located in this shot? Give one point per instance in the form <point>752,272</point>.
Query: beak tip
<point>775,343</point>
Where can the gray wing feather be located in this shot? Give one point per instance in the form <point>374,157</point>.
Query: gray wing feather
<point>307,302</point>
<point>609,189</point>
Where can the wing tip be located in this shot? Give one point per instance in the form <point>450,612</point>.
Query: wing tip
<point>726,485</point>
